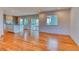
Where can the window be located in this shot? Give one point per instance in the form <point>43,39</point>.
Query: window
<point>21,21</point>
<point>26,21</point>
<point>34,24</point>
<point>9,20</point>
<point>52,20</point>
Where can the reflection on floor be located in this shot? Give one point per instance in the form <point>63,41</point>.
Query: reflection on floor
<point>36,41</point>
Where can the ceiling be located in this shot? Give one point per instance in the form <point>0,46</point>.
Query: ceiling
<point>19,11</point>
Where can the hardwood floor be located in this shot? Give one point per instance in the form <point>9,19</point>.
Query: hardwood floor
<point>27,42</point>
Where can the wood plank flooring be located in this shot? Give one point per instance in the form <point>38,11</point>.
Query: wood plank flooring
<point>15,42</point>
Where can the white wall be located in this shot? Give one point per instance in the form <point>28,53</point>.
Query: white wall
<point>63,26</point>
<point>1,22</point>
<point>74,32</point>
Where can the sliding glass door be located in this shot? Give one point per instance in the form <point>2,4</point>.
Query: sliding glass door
<point>34,24</point>
<point>35,28</point>
<point>21,25</point>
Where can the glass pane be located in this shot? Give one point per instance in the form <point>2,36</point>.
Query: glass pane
<point>48,20</point>
<point>21,21</point>
<point>34,24</point>
<point>52,20</point>
<point>9,21</point>
<point>26,21</point>
<point>21,26</point>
